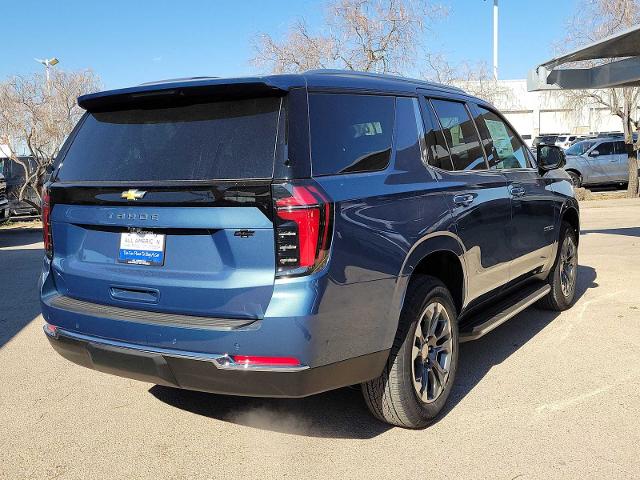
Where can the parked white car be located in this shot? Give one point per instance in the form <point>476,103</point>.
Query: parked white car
<point>565,141</point>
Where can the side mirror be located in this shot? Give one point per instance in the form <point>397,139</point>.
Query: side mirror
<point>594,153</point>
<point>550,157</point>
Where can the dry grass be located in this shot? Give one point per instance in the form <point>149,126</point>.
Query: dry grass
<point>584,194</point>
<point>22,223</point>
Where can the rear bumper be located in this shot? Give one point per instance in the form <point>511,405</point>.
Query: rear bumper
<point>207,372</point>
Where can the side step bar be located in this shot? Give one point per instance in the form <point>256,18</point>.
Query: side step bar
<point>487,320</point>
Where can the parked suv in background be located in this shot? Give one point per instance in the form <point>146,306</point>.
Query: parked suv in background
<point>286,235</point>
<point>598,161</point>
<point>4,203</point>
<point>14,176</point>
<point>544,140</point>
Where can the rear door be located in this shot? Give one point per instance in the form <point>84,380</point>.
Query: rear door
<point>532,230</point>
<point>168,208</point>
<point>601,161</point>
<point>620,168</point>
<point>477,197</point>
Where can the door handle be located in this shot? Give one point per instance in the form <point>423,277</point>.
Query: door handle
<point>463,200</point>
<point>517,191</point>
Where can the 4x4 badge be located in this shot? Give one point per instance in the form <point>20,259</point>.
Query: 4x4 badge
<point>133,194</point>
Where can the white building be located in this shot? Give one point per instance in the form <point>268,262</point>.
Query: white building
<point>539,113</point>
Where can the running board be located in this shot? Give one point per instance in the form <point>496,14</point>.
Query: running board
<point>485,321</point>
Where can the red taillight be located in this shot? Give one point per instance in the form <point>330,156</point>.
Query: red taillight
<point>302,223</point>
<point>46,223</point>
<point>50,329</point>
<point>254,361</point>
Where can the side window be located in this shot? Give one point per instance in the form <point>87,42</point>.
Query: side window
<point>409,138</point>
<point>350,133</point>
<point>531,159</point>
<point>460,133</point>
<point>437,150</point>
<point>605,148</point>
<point>503,147</point>
<point>619,148</point>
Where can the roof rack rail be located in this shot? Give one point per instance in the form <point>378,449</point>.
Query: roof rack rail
<point>336,71</point>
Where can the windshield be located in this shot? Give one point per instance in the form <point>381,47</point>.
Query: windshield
<point>579,148</point>
<point>217,140</point>
<point>545,140</point>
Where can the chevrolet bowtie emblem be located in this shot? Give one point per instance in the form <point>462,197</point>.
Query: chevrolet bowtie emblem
<point>132,194</point>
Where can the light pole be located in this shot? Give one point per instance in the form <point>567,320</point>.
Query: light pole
<point>48,63</point>
<point>495,40</point>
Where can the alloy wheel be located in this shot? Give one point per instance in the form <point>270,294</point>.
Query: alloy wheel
<point>431,352</point>
<point>568,266</point>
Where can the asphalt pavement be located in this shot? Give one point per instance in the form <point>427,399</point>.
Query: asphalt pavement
<point>546,395</point>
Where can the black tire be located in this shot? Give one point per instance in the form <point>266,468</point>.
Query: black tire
<point>576,179</point>
<point>392,397</point>
<point>558,299</point>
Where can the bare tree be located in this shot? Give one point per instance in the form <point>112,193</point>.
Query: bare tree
<point>475,79</point>
<point>599,19</point>
<point>36,116</point>
<point>439,69</point>
<point>367,35</point>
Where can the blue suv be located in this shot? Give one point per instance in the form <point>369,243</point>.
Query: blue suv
<point>285,235</point>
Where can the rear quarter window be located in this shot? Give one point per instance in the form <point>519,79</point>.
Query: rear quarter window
<point>350,133</point>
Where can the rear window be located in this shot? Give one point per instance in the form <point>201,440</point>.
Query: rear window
<point>350,133</point>
<point>218,140</point>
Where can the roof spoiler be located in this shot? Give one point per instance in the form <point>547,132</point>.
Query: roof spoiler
<point>180,93</point>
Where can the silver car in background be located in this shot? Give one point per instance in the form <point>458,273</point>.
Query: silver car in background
<point>597,161</point>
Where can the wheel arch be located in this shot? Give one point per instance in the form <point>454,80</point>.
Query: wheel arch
<point>570,214</point>
<point>446,266</point>
<point>434,255</point>
<point>576,171</point>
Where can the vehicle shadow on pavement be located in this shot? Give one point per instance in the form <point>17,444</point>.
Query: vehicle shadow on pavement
<point>342,413</point>
<point>336,414</point>
<point>478,357</point>
<point>629,231</point>
<point>20,260</point>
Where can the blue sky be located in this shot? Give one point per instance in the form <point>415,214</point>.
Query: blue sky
<point>130,42</point>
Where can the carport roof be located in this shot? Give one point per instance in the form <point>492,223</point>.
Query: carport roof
<point>624,70</point>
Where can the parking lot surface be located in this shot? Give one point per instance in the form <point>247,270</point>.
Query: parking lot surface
<point>545,395</point>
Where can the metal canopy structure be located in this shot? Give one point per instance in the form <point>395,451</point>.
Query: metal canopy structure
<point>621,51</point>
